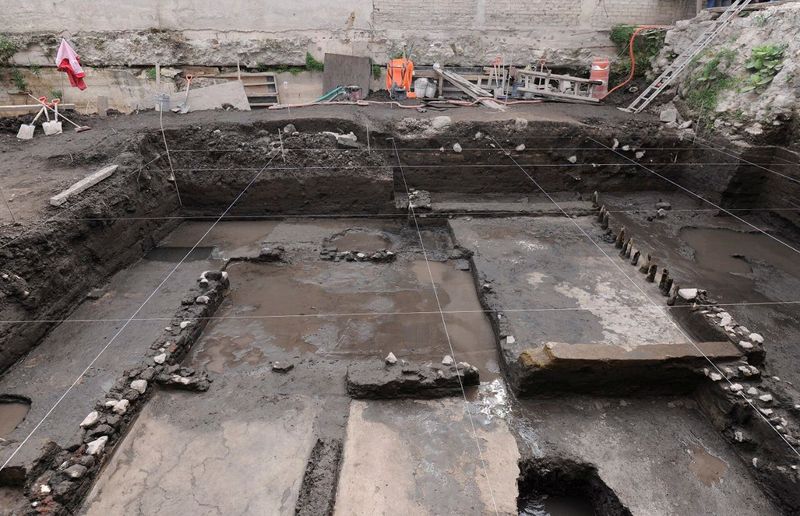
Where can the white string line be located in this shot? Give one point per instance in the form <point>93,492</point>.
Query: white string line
<point>128,321</point>
<point>169,159</point>
<point>794,180</point>
<point>438,149</point>
<point>446,332</point>
<point>72,207</point>
<point>446,147</point>
<point>665,312</point>
<point>396,214</point>
<point>8,206</point>
<point>390,314</point>
<point>701,198</point>
<point>465,165</point>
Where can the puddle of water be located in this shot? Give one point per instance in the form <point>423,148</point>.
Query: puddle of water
<point>220,354</point>
<point>546,505</point>
<point>362,241</point>
<point>729,251</point>
<point>708,468</point>
<point>228,238</point>
<point>12,413</point>
<point>176,254</point>
<point>352,290</point>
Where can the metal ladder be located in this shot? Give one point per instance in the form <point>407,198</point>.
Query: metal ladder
<point>683,60</point>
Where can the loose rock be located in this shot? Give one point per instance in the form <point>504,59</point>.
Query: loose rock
<point>75,471</point>
<point>90,420</point>
<point>97,446</point>
<point>139,385</point>
<point>282,367</point>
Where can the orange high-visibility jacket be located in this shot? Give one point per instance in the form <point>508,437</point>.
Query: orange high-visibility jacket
<point>399,73</point>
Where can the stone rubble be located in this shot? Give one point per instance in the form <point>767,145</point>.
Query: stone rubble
<point>332,253</point>
<point>67,471</point>
<point>380,380</point>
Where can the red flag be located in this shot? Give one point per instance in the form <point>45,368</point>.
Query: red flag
<point>68,61</point>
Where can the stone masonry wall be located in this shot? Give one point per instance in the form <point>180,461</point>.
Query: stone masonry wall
<point>458,32</point>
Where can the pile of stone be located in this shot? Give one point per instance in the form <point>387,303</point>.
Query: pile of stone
<point>395,378</point>
<point>332,253</point>
<point>65,474</point>
<point>184,378</point>
<point>271,254</point>
<point>419,199</point>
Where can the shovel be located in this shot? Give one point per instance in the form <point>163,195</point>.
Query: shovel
<point>26,130</point>
<point>78,128</point>
<point>184,108</point>
<point>54,127</point>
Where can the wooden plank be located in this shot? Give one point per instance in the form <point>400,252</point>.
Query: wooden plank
<point>750,7</point>
<point>84,184</point>
<point>558,95</point>
<point>31,108</point>
<point>479,94</point>
<point>546,75</point>
<point>345,70</point>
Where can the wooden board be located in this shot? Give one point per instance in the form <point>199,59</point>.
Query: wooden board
<point>261,88</point>
<point>344,70</point>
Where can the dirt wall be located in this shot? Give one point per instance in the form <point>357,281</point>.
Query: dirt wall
<point>49,268</point>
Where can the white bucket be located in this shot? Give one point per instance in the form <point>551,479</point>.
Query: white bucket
<point>420,86</point>
<point>430,91</point>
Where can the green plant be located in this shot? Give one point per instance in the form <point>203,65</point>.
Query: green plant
<point>282,68</point>
<point>18,80</point>
<point>151,74</point>
<point>56,94</point>
<point>646,46</point>
<point>764,64</point>
<point>708,81</point>
<point>376,71</point>
<point>312,64</point>
<point>35,69</point>
<point>761,20</point>
<point>7,50</point>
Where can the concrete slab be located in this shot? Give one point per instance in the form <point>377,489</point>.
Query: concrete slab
<point>82,185</point>
<point>553,285</point>
<point>45,374</point>
<point>186,455</point>
<point>420,457</point>
<point>659,455</point>
<point>213,97</point>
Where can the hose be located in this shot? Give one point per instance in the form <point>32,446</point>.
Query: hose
<point>631,52</point>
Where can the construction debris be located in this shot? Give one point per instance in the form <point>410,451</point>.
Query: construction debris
<point>479,94</point>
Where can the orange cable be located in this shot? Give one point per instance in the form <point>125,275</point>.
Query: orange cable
<point>636,32</point>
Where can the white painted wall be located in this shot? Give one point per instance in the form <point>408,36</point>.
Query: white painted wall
<point>236,15</point>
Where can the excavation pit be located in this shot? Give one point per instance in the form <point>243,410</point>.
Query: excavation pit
<point>504,260</point>
<point>565,488</point>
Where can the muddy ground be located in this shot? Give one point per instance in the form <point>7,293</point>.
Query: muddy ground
<point>328,271</point>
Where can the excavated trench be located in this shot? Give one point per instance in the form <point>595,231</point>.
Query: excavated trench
<point>317,202</point>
